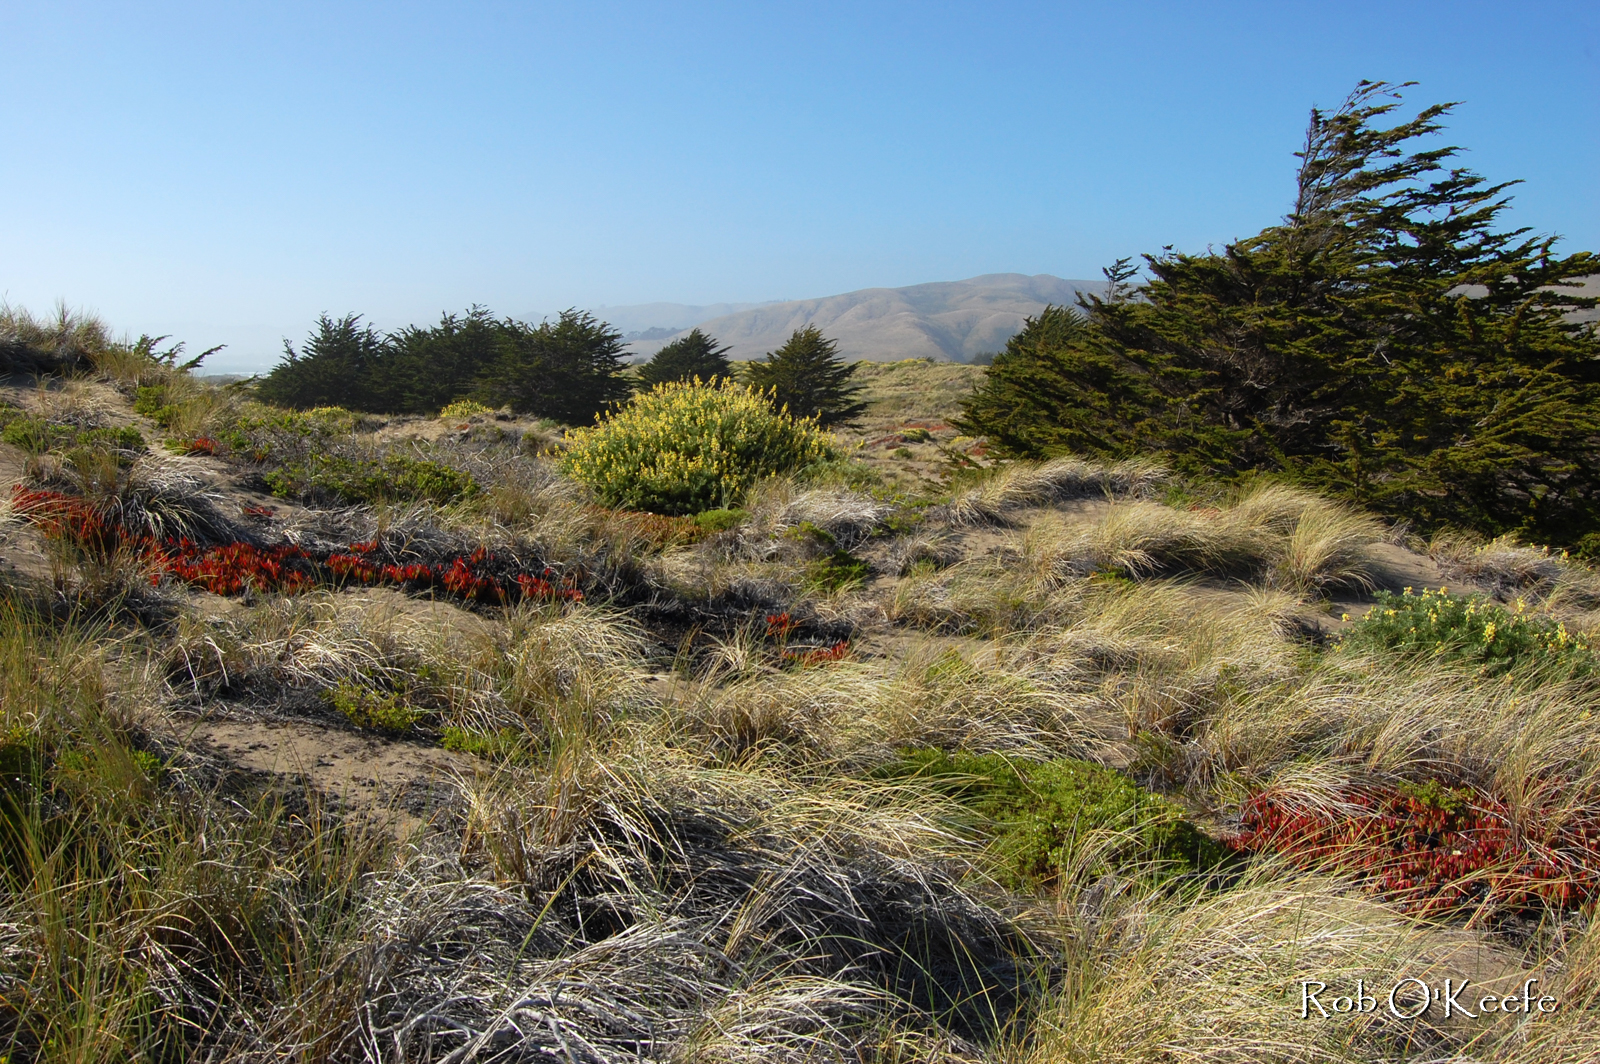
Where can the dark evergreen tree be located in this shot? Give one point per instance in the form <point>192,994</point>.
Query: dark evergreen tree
<point>569,370</point>
<point>695,355</point>
<point>1386,341</point>
<point>430,368</point>
<point>1056,388</point>
<point>807,375</point>
<point>333,368</point>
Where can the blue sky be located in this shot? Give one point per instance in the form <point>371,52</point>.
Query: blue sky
<point>225,172</point>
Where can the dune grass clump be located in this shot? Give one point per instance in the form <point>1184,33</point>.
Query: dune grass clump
<point>1015,485</point>
<point>60,344</point>
<point>1294,539</point>
<point>686,447</point>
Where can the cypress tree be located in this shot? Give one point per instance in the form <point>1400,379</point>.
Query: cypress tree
<point>695,355</point>
<point>807,376</point>
<point>1386,341</point>
<point>334,367</point>
<point>568,370</point>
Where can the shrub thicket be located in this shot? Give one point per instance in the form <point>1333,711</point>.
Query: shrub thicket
<point>568,370</point>
<point>1386,341</point>
<point>333,368</point>
<point>687,447</point>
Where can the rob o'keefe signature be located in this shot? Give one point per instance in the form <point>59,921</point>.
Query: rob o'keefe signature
<point>1411,998</point>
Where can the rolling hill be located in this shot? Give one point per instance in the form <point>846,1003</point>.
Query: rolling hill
<point>947,320</point>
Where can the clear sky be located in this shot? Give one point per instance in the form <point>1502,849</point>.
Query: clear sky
<point>224,171</point>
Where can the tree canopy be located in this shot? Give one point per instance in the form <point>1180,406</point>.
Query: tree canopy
<point>331,369</point>
<point>684,359</point>
<point>1387,340</point>
<point>568,370</point>
<point>807,376</point>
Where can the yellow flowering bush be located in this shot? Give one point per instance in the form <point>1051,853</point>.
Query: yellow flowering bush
<point>687,446</point>
<point>1465,628</point>
<point>462,409</point>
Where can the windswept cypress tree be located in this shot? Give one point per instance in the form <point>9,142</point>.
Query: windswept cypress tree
<point>688,357</point>
<point>333,368</point>
<point>807,375</point>
<point>1386,341</point>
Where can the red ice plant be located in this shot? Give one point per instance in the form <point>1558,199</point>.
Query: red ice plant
<point>819,655</point>
<point>231,568</point>
<point>1433,848</point>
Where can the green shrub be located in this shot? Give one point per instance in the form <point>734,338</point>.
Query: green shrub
<point>721,520</point>
<point>687,447</point>
<point>364,707</point>
<point>151,401</point>
<point>1036,815</point>
<point>390,478</point>
<point>836,568</point>
<point>1440,625</point>
<point>37,436</point>
<point>30,434</point>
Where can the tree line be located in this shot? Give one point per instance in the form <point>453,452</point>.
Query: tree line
<point>568,370</point>
<point>1387,341</point>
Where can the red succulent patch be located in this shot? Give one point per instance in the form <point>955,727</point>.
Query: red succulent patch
<point>231,568</point>
<point>1432,848</point>
<point>819,655</point>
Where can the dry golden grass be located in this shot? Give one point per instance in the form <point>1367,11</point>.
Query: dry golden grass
<point>1217,978</point>
<point>1015,485</point>
<point>1296,540</point>
<point>1510,569</point>
<point>700,865</point>
<point>60,344</point>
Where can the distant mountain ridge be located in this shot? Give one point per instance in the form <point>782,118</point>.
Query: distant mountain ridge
<point>661,319</point>
<point>944,320</point>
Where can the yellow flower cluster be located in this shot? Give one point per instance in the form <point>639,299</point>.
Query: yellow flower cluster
<point>688,446</point>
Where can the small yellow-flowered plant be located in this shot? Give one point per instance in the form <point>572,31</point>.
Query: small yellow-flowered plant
<point>462,409</point>
<point>687,446</point>
<point>1495,638</point>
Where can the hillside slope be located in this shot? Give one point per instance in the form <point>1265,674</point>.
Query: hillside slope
<point>942,320</point>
